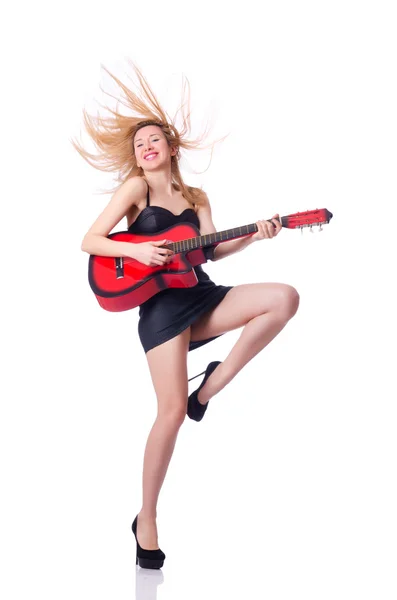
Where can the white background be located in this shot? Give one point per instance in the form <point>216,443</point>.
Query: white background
<point>287,488</point>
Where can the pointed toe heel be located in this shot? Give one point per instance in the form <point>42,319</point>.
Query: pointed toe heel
<point>147,559</point>
<point>195,410</point>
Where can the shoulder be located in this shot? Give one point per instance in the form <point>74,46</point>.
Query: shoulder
<point>204,213</point>
<point>203,204</point>
<point>131,193</point>
<point>134,185</point>
<point>199,199</point>
<point>122,203</point>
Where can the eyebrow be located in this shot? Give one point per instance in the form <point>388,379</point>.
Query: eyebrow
<point>151,135</point>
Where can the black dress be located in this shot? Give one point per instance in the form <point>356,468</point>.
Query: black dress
<point>170,311</point>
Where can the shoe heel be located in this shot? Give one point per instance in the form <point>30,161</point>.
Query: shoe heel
<point>156,559</point>
<point>195,410</point>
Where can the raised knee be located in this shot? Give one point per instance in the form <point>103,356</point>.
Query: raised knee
<point>289,302</point>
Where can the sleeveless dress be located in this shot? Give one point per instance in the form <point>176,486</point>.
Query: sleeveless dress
<point>170,311</point>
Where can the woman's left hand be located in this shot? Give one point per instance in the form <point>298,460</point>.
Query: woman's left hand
<point>267,229</point>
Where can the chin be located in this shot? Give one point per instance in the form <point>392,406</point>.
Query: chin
<point>159,165</point>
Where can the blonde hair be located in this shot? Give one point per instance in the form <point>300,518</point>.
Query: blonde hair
<point>113,135</point>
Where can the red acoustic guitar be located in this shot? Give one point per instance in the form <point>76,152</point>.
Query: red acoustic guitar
<point>124,283</point>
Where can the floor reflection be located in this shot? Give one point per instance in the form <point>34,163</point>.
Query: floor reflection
<point>146,583</point>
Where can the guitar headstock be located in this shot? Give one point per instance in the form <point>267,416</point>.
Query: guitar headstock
<point>320,216</point>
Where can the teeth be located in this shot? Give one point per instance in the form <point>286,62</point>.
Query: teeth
<point>150,156</point>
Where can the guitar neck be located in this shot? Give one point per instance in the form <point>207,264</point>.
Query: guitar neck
<point>214,238</point>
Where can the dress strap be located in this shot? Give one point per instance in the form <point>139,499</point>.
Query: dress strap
<point>147,197</point>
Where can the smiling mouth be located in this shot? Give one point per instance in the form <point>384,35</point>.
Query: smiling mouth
<point>151,156</point>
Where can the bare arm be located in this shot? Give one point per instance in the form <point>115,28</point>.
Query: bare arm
<point>95,240</point>
<point>207,226</point>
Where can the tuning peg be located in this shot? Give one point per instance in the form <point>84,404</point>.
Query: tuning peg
<point>320,227</point>
<point>311,229</point>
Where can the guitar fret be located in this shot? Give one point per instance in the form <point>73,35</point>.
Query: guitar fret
<point>212,238</point>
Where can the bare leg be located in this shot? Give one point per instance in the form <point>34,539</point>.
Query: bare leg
<point>263,309</point>
<point>158,452</point>
<point>168,369</point>
<point>257,334</point>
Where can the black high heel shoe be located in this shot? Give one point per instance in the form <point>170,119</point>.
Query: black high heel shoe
<point>147,559</point>
<point>195,410</point>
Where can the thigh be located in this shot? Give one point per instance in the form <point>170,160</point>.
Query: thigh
<point>168,370</point>
<point>241,304</point>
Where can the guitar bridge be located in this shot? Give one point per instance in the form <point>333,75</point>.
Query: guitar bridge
<point>119,262</point>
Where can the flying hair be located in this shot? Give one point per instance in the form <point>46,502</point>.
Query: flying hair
<point>113,134</point>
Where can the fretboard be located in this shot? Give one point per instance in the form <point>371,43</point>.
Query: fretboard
<point>213,238</point>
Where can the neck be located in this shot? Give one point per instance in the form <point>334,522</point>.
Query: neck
<point>160,183</point>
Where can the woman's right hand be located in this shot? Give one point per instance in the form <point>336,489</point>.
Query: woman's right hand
<point>150,254</point>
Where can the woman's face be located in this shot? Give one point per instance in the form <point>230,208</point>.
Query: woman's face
<point>151,148</point>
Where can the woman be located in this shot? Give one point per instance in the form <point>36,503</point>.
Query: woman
<point>144,149</point>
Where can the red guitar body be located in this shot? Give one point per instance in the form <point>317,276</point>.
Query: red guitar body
<point>138,281</point>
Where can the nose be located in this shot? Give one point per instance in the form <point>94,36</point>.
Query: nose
<point>148,145</point>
